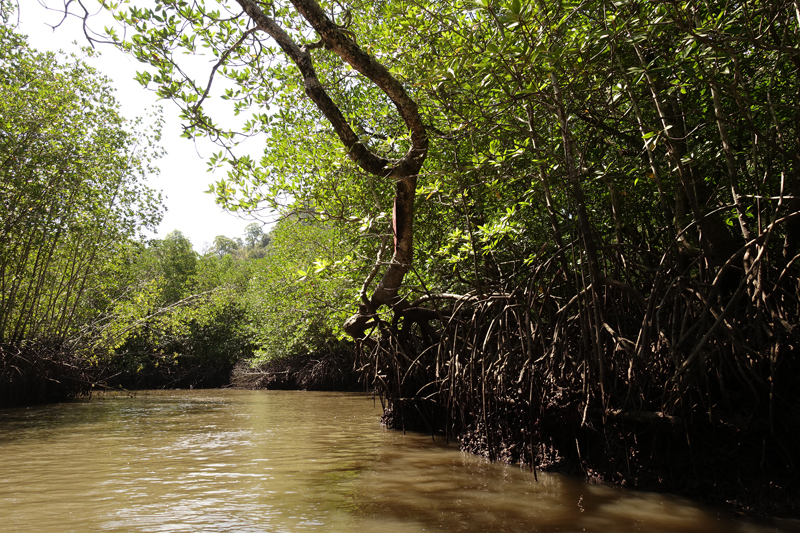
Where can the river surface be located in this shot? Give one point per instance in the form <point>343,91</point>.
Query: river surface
<point>227,460</point>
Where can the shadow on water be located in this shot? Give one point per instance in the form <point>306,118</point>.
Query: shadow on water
<point>288,461</point>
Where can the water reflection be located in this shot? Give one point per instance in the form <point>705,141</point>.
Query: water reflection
<point>285,462</point>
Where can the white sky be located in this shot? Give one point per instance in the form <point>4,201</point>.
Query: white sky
<point>183,177</point>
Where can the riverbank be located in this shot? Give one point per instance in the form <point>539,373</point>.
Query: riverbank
<point>238,460</point>
<point>715,462</point>
<point>39,373</point>
<point>329,371</point>
<point>36,372</point>
<point>730,463</point>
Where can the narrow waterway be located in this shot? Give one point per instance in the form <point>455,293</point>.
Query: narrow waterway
<point>226,460</point>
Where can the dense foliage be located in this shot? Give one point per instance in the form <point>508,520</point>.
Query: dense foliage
<point>184,320</point>
<point>70,198</point>
<point>85,299</point>
<point>299,295</point>
<point>567,219</point>
<point>71,193</point>
<point>605,227</point>
<point>177,321</point>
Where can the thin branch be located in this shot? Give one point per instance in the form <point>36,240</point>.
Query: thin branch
<point>219,63</point>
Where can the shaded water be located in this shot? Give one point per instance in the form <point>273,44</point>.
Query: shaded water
<point>228,460</point>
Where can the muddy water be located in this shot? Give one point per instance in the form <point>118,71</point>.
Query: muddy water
<point>286,462</point>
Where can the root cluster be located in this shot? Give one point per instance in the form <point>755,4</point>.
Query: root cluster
<point>676,378</point>
<point>32,373</point>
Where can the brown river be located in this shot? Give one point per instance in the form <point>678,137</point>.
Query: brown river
<point>227,460</point>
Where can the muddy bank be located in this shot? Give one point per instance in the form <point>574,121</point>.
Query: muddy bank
<point>744,463</point>
<point>694,393</point>
<point>316,371</point>
<point>39,372</point>
<point>36,372</point>
<point>718,462</point>
<point>160,371</point>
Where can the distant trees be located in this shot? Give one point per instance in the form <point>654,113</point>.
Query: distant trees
<point>177,318</point>
<point>254,236</point>
<point>182,320</point>
<point>225,245</point>
<point>178,265</point>
<point>252,246</point>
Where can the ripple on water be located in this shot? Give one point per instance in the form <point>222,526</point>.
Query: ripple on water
<point>285,462</point>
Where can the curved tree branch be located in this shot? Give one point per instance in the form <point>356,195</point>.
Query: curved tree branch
<point>301,57</point>
<point>403,172</point>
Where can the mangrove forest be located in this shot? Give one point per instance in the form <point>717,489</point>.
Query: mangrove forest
<point>563,233</point>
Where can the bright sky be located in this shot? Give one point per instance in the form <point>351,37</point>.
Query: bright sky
<point>183,177</point>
